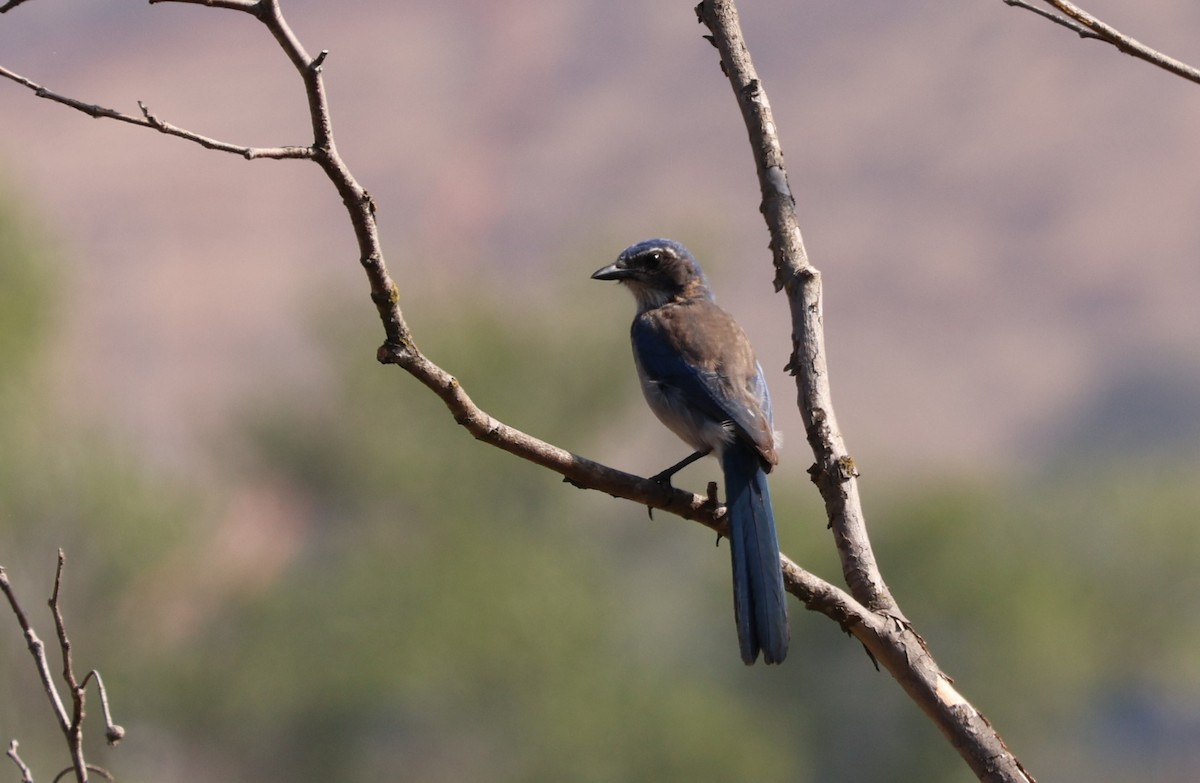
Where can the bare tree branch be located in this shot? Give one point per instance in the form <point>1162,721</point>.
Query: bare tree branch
<point>834,472</point>
<point>886,634</point>
<point>72,728</point>
<point>1080,21</point>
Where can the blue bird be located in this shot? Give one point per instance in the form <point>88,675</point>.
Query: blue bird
<point>700,377</point>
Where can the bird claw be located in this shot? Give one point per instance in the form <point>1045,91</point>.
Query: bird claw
<point>663,479</point>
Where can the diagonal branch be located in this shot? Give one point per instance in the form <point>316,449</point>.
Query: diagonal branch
<point>399,347</point>
<point>1074,27</point>
<point>834,472</point>
<point>886,634</point>
<point>37,649</point>
<point>1085,25</point>
<point>26,774</point>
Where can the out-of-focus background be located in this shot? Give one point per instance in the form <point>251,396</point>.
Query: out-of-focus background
<point>289,562</point>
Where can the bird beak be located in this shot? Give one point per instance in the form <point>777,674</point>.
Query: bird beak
<point>612,272</point>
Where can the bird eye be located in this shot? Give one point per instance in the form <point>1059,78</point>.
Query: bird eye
<point>653,258</point>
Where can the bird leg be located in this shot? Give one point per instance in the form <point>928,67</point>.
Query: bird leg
<point>664,477</point>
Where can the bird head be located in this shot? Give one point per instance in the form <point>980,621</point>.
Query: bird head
<point>657,271</point>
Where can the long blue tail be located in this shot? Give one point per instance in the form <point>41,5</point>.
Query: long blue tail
<point>759,602</point>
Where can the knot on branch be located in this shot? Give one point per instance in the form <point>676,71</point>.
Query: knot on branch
<point>792,269</point>
<point>818,430</point>
<point>831,473</point>
<point>394,353</point>
<point>389,296</point>
<point>752,90</point>
<point>114,734</point>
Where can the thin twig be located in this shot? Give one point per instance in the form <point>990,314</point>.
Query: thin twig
<point>26,775</point>
<point>1088,26</point>
<point>1073,26</point>
<point>101,771</point>
<point>74,732</point>
<point>38,650</point>
<point>10,5</point>
<point>113,733</point>
<point>249,6</point>
<point>60,625</point>
<point>148,120</point>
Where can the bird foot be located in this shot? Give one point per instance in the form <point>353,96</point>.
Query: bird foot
<point>664,478</point>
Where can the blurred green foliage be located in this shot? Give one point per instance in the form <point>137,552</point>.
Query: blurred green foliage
<point>449,618</point>
<point>62,484</point>
<point>430,609</point>
<point>26,308</point>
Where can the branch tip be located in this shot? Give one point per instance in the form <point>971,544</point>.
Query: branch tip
<point>1087,26</point>
<point>26,774</point>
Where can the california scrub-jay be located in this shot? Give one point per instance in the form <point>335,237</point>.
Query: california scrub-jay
<point>700,377</point>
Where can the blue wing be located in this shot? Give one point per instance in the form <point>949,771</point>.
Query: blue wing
<point>701,400</point>
<point>700,378</point>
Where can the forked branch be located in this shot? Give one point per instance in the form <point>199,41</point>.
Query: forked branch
<point>1085,25</point>
<point>71,725</point>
